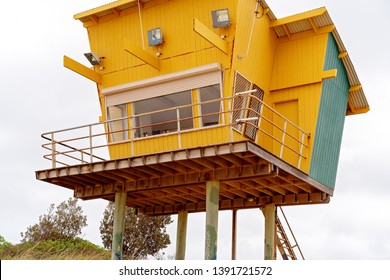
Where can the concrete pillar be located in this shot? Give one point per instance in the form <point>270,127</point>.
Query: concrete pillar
<point>181,235</point>
<point>234,234</point>
<point>270,232</point>
<point>212,208</point>
<point>119,225</point>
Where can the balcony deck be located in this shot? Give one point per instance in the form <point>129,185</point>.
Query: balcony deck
<point>168,182</point>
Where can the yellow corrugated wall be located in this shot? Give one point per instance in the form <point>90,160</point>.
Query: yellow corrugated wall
<point>254,52</point>
<point>182,47</point>
<point>256,65</point>
<point>285,69</point>
<point>308,98</point>
<point>297,75</point>
<point>299,62</point>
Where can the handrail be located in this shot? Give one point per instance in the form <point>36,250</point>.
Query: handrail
<point>83,149</point>
<point>292,234</point>
<point>247,93</point>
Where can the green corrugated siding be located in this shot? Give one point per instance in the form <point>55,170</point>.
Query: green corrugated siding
<point>330,122</point>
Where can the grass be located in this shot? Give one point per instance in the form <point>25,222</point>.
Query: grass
<point>75,249</point>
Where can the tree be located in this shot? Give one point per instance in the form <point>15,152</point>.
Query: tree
<point>64,222</point>
<point>3,242</point>
<point>143,235</point>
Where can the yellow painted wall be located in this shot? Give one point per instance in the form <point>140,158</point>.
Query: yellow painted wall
<point>182,47</point>
<point>297,75</point>
<point>308,98</point>
<point>257,64</point>
<point>285,69</point>
<point>299,62</point>
<point>161,143</point>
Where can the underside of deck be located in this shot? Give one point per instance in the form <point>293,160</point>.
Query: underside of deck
<point>169,182</point>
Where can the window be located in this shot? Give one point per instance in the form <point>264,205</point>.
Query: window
<point>210,111</point>
<point>119,127</point>
<point>160,114</point>
<point>164,104</point>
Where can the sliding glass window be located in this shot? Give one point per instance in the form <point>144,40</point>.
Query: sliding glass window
<point>210,110</point>
<point>118,122</point>
<point>163,114</point>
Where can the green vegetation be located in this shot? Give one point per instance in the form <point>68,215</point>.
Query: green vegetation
<point>72,249</point>
<point>143,235</point>
<point>3,242</point>
<point>66,222</point>
<point>56,236</point>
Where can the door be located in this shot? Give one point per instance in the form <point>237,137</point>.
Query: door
<point>286,145</point>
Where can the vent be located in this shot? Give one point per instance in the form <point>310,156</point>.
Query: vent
<point>254,111</point>
<point>246,107</point>
<point>241,84</point>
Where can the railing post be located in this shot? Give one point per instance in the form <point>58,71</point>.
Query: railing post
<point>132,134</point>
<point>53,151</point>
<point>231,120</point>
<point>301,149</point>
<point>283,137</point>
<point>259,123</point>
<point>90,144</point>
<point>178,127</point>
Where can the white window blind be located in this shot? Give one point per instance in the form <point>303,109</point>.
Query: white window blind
<point>162,85</point>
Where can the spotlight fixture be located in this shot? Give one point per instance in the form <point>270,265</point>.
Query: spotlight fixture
<point>155,37</point>
<point>93,58</point>
<point>220,18</point>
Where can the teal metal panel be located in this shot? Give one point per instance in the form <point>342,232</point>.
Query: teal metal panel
<point>331,117</point>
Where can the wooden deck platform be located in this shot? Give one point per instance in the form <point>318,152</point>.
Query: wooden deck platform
<point>169,182</point>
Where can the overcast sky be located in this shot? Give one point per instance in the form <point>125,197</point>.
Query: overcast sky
<point>40,95</point>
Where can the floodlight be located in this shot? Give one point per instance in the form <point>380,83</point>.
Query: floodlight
<point>155,37</point>
<point>220,18</point>
<point>93,58</point>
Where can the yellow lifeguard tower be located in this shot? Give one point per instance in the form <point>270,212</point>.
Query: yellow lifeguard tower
<point>208,106</point>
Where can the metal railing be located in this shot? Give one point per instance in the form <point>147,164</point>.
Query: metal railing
<point>90,143</point>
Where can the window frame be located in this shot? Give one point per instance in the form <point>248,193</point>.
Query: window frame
<point>187,80</point>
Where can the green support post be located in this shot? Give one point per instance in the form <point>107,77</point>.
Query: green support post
<point>181,235</point>
<point>119,225</point>
<point>212,208</point>
<point>270,232</point>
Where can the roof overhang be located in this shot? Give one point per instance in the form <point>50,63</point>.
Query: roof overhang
<point>114,8</point>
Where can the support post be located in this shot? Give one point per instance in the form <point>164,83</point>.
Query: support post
<point>181,235</point>
<point>234,234</point>
<point>119,225</point>
<point>270,232</point>
<point>212,208</point>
